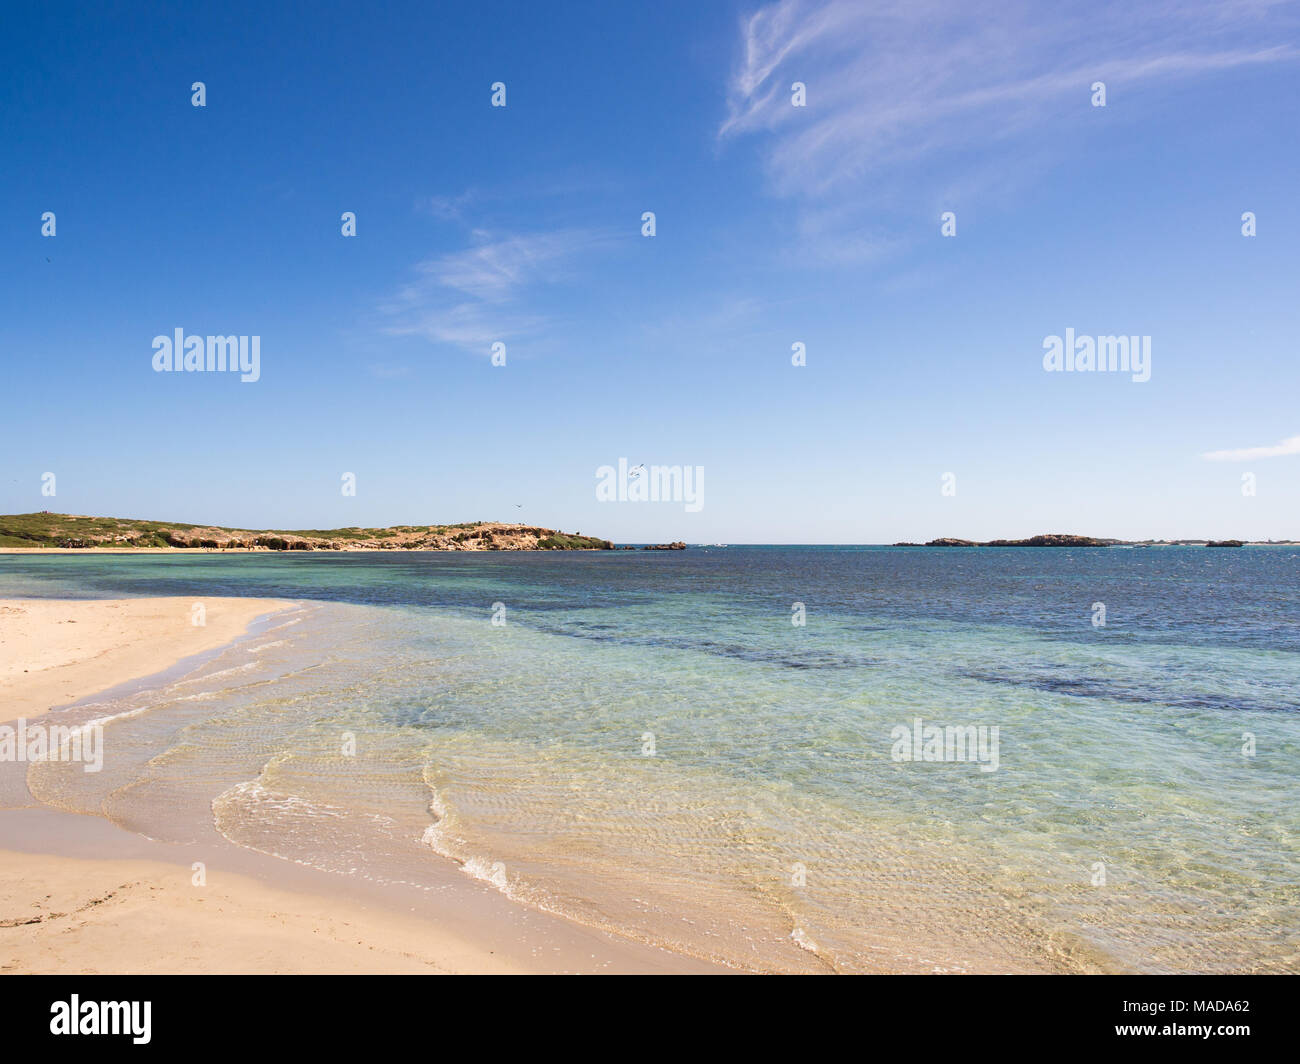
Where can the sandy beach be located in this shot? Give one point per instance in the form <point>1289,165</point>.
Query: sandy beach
<point>63,914</point>
<point>54,652</point>
<point>109,902</point>
<point>79,894</point>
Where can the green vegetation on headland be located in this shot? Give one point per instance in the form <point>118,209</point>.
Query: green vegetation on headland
<point>1058,539</point>
<point>68,531</point>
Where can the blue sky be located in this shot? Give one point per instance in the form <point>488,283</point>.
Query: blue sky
<point>775,224</point>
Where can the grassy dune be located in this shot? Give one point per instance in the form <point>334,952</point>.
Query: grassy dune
<point>70,531</point>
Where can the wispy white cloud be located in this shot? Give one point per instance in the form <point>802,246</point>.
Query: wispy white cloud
<point>543,192</point>
<point>477,295</point>
<point>450,208</point>
<point>898,85</point>
<point>1291,445</point>
<point>387,371</point>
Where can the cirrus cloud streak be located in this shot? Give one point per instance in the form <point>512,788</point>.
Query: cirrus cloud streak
<point>1291,445</point>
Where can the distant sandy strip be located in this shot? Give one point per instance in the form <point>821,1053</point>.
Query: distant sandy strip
<point>56,651</point>
<point>139,550</point>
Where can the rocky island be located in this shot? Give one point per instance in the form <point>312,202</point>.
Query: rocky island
<point>1054,539</point>
<point>1060,539</point>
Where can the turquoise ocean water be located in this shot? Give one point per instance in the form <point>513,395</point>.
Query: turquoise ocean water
<point>646,742</point>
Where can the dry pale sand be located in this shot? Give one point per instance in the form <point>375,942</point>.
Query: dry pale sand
<point>54,651</point>
<point>111,902</point>
<point>64,914</point>
<point>80,895</point>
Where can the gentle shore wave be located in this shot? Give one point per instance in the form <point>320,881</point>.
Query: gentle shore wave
<point>116,892</point>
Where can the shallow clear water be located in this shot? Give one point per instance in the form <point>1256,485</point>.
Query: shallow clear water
<point>649,744</point>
